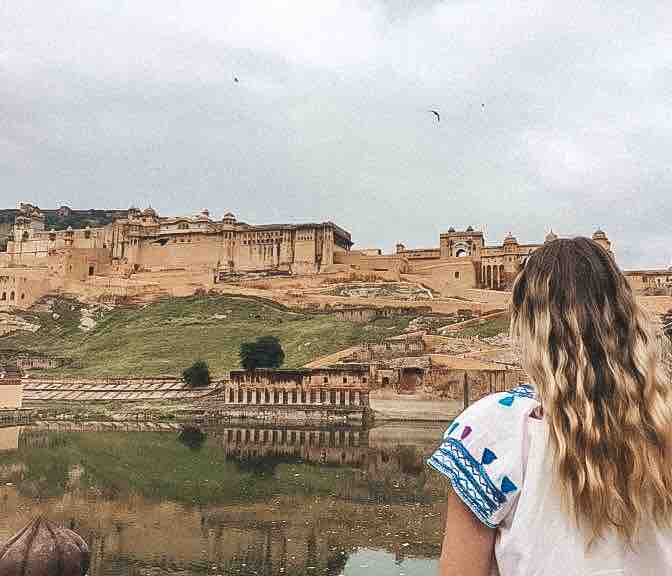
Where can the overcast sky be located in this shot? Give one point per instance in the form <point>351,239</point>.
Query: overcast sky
<point>553,114</point>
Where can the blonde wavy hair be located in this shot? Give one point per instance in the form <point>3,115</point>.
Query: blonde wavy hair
<point>594,357</point>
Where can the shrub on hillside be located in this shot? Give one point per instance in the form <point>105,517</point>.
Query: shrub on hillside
<point>192,437</point>
<point>266,352</point>
<point>197,375</point>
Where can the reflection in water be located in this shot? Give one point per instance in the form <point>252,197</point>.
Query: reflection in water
<point>233,500</point>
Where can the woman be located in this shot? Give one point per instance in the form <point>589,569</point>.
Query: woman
<point>572,475</point>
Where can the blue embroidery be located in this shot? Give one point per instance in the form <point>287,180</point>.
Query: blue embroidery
<point>523,391</point>
<point>508,486</point>
<point>488,456</point>
<point>469,479</point>
<point>452,427</point>
<point>507,400</point>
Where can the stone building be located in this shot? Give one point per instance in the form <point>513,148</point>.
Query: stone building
<point>651,281</point>
<point>11,387</point>
<point>337,386</point>
<point>146,241</point>
<point>38,261</point>
<point>464,260</point>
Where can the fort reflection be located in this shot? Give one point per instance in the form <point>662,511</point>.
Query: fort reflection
<point>324,494</point>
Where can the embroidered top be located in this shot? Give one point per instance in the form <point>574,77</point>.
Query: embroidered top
<point>496,458</point>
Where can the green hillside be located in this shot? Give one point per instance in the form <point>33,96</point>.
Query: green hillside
<point>165,337</point>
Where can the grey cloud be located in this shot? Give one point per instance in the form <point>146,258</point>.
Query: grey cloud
<point>553,117</point>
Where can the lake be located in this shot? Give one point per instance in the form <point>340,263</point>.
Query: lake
<point>162,499</point>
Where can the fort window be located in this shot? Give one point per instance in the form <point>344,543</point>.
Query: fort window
<point>267,396</point>
<point>249,396</point>
<point>87,234</point>
<point>332,397</point>
<point>240,396</point>
<point>4,295</point>
<point>23,296</point>
<point>231,396</point>
<point>303,396</point>
<point>364,379</point>
<point>11,295</point>
<point>325,380</point>
<point>24,236</point>
<point>91,269</point>
<point>323,396</point>
<point>312,396</point>
<point>294,397</point>
<point>457,274</point>
<point>285,397</point>
<point>386,381</point>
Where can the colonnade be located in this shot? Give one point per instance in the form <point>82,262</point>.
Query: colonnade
<point>493,276</point>
<point>296,396</point>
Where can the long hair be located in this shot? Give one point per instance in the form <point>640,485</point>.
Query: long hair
<point>593,354</point>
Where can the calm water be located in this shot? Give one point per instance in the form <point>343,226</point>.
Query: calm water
<point>244,501</point>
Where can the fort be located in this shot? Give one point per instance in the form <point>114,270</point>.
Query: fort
<point>38,261</point>
<point>138,253</point>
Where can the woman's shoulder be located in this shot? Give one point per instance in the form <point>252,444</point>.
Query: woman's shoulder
<point>484,449</point>
<point>513,403</point>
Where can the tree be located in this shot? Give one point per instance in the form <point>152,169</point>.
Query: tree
<point>197,375</point>
<point>266,352</point>
<point>192,437</point>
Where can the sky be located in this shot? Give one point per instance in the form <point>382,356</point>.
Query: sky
<point>553,114</point>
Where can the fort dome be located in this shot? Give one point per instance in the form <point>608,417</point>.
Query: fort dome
<point>470,229</point>
<point>149,212</point>
<point>229,218</point>
<point>510,239</point>
<point>599,235</point>
<point>451,229</point>
<point>551,236</point>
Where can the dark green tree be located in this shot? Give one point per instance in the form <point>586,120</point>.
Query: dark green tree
<point>266,352</point>
<point>192,437</point>
<point>197,375</point>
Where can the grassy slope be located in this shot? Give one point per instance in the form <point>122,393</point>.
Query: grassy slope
<point>487,329</point>
<point>167,336</point>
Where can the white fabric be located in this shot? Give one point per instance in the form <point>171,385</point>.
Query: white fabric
<point>510,487</point>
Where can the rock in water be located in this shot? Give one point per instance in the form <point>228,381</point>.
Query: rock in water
<point>44,549</point>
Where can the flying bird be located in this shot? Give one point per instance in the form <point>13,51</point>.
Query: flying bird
<point>235,79</point>
<point>438,116</point>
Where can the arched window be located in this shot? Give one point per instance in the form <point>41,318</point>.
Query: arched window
<point>11,295</point>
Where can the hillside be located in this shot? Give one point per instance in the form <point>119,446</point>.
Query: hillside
<point>166,336</point>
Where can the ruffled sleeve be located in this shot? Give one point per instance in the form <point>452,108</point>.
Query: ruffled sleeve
<point>484,451</point>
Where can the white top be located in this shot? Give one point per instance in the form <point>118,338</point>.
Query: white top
<point>495,455</point>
